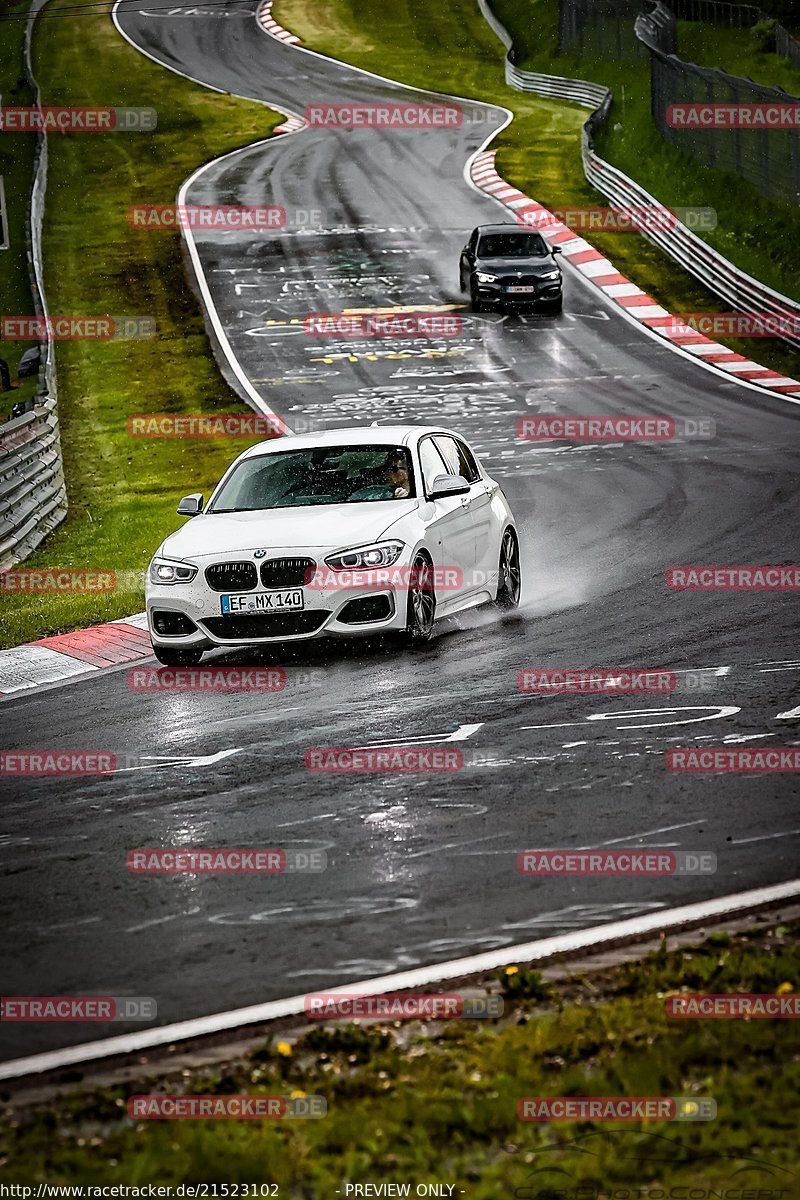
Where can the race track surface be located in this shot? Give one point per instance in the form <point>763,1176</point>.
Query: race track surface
<point>420,868</point>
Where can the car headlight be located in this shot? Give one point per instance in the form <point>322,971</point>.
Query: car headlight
<point>483,277</point>
<point>551,275</point>
<point>382,554</point>
<point>171,570</point>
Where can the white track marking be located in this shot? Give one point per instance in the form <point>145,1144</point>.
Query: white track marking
<point>189,912</point>
<point>460,735</point>
<point>714,712</point>
<point>793,714</point>
<point>647,833</point>
<point>308,820</point>
<point>764,837</point>
<point>457,846</point>
<point>182,760</point>
<point>593,938</point>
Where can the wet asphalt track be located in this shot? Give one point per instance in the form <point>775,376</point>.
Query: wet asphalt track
<point>420,868</point>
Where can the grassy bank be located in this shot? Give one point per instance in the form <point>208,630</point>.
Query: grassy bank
<point>412,1103</point>
<point>450,48</point>
<point>122,490</point>
<point>739,52</point>
<point>16,169</point>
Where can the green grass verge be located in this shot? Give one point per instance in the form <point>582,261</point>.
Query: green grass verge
<point>410,1104</point>
<point>123,491</point>
<point>16,168</point>
<point>450,48</point>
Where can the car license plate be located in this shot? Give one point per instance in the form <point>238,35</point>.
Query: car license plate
<point>259,602</point>
<point>520,288</point>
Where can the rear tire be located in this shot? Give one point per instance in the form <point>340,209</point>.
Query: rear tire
<point>175,656</point>
<point>509,575</point>
<point>421,604</point>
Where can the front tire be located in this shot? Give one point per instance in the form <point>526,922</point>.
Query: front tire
<point>175,656</point>
<point>421,604</point>
<point>509,575</point>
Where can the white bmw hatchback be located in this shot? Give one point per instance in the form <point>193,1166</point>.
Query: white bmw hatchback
<point>350,532</point>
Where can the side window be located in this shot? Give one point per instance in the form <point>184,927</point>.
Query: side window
<point>431,462</point>
<point>447,448</point>
<point>458,458</point>
<point>473,241</point>
<point>469,467</point>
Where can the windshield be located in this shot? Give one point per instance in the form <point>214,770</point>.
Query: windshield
<point>512,245</point>
<point>317,475</point>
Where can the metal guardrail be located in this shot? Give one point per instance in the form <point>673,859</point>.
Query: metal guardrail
<point>33,494</point>
<point>658,28</point>
<point>556,87</point>
<point>740,290</point>
<point>743,292</point>
<point>32,499</point>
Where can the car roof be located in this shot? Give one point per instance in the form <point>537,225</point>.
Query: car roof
<point>503,227</point>
<point>358,435</point>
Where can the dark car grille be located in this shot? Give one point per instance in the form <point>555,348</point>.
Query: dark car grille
<point>286,572</point>
<point>247,626</point>
<point>232,576</point>
<point>525,281</point>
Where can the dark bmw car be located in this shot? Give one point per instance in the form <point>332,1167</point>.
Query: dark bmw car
<point>507,265</point>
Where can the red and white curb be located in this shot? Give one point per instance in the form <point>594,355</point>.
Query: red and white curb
<point>53,659</point>
<point>265,20</point>
<point>599,271</point>
<point>293,125</point>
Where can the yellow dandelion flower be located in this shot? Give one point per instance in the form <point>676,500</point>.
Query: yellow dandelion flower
<point>512,970</point>
<point>285,1049</point>
<point>783,988</point>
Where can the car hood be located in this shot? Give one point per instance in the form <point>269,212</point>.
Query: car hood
<point>326,525</point>
<point>510,266</point>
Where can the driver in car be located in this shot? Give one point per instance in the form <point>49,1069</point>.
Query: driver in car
<point>395,474</point>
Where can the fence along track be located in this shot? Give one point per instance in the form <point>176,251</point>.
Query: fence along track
<point>33,494</point>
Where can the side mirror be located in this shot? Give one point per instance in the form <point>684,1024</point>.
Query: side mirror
<point>448,485</point>
<point>556,250</point>
<point>190,506</point>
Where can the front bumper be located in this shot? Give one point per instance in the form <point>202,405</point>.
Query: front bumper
<point>195,609</point>
<point>546,294</point>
